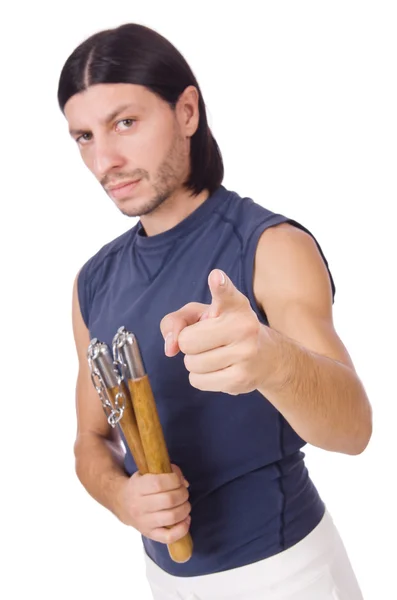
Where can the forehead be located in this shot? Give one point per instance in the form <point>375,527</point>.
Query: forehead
<point>98,103</point>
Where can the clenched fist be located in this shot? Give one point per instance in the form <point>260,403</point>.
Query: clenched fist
<point>156,505</point>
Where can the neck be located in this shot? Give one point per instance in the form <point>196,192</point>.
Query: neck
<point>172,211</point>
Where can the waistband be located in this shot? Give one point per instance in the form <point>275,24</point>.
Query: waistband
<point>310,553</point>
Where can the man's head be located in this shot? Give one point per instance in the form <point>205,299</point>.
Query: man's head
<point>136,111</point>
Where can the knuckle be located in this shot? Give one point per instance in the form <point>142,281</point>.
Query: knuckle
<point>174,499</point>
<point>186,359</point>
<point>156,535</point>
<point>180,513</point>
<point>251,325</point>
<point>157,520</point>
<point>255,325</point>
<point>175,482</point>
<point>184,511</point>
<point>240,376</point>
<point>242,351</point>
<point>196,381</point>
<point>166,504</point>
<point>180,496</point>
<point>176,533</point>
<point>169,536</point>
<point>155,484</point>
<point>175,515</point>
<point>147,524</point>
<point>153,535</point>
<point>170,501</point>
<point>164,519</point>
<point>237,381</point>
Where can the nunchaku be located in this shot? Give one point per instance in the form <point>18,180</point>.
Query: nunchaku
<point>123,386</point>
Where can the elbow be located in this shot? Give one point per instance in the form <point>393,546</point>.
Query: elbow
<point>364,441</point>
<point>77,458</point>
<point>82,450</point>
<point>363,434</point>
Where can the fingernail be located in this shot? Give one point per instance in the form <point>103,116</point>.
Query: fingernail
<point>223,278</point>
<point>168,339</point>
<point>185,481</point>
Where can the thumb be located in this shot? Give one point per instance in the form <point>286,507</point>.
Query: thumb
<point>225,295</point>
<point>178,471</point>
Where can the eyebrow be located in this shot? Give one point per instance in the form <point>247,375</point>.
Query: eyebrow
<point>106,120</point>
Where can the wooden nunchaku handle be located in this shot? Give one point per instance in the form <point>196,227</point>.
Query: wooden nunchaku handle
<point>155,449</point>
<point>129,427</point>
<point>142,430</point>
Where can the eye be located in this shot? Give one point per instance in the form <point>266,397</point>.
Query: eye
<point>127,122</point>
<point>86,137</point>
<point>82,137</point>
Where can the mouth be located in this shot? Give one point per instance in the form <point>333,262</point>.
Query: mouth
<point>123,190</point>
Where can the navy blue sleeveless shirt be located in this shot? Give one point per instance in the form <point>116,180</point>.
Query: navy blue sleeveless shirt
<point>250,490</point>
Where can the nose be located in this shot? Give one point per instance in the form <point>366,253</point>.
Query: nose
<point>107,157</point>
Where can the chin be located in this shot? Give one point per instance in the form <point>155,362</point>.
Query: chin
<point>131,208</point>
<point>135,207</point>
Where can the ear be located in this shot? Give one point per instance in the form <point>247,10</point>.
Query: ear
<point>188,111</point>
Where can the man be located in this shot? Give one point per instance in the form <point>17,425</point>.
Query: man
<point>232,306</point>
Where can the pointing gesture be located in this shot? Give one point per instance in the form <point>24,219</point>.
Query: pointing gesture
<point>224,343</point>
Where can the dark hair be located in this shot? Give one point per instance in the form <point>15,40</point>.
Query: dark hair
<point>133,53</point>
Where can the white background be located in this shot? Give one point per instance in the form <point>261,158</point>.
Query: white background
<point>302,100</point>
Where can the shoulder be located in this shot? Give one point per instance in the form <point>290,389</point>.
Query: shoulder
<point>244,207</point>
<point>290,268</point>
<point>108,251</point>
<point>249,218</point>
<point>285,237</point>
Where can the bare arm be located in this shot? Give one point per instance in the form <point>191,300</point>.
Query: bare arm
<point>155,505</point>
<point>317,388</point>
<point>98,451</point>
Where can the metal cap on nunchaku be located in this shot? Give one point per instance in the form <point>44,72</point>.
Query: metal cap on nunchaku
<point>105,377</point>
<point>124,388</point>
<point>127,354</point>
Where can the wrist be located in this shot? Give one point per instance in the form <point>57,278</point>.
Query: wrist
<point>119,494</point>
<point>275,361</point>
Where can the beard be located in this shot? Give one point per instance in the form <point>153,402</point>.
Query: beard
<point>170,176</point>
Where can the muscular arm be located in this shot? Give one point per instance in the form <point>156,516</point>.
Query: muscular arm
<point>316,388</point>
<point>98,451</point>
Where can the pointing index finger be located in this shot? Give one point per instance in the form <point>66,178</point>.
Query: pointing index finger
<point>173,323</point>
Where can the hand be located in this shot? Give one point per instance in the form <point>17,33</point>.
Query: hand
<point>156,505</point>
<point>226,348</point>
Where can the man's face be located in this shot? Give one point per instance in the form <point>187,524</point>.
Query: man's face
<point>146,142</point>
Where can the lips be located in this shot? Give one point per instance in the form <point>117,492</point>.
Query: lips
<point>123,190</point>
<point>121,185</point>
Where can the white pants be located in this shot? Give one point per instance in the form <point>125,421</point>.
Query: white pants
<point>317,568</point>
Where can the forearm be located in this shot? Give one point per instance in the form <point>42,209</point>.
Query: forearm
<point>323,400</point>
<point>99,467</point>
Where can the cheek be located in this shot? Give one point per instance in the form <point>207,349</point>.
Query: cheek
<point>155,142</point>
<point>88,159</point>
<point>145,151</point>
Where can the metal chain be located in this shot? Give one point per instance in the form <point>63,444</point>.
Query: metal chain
<point>113,412</point>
